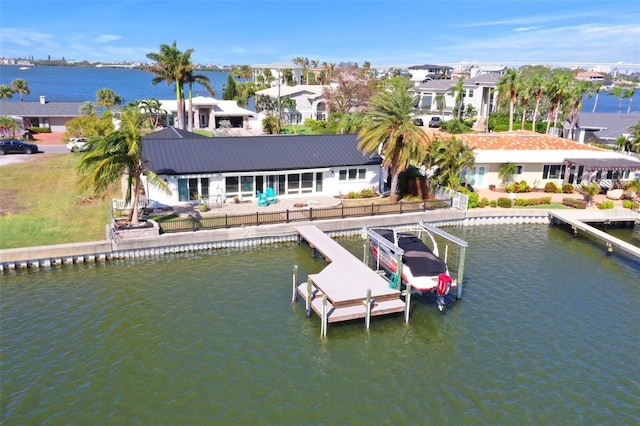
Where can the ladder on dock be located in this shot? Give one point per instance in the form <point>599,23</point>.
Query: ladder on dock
<point>346,289</point>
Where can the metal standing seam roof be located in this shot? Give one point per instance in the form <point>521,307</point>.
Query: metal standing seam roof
<point>255,153</point>
<point>619,164</point>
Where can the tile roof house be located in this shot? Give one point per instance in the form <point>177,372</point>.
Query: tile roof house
<point>539,158</point>
<point>52,115</point>
<point>197,167</point>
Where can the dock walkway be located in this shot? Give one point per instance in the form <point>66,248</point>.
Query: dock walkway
<point>345,282</point>
<point>579,219</point>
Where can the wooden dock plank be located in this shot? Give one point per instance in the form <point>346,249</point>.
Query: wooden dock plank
<point>578,218</point>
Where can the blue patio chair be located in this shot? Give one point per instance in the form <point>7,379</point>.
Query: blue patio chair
<point>271,195</point>
<point>262,199</point>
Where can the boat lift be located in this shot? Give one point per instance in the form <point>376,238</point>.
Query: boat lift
<point>430,230</point>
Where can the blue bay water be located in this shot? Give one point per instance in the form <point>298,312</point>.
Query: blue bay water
<point>81,84</point>
<point>546,333</point>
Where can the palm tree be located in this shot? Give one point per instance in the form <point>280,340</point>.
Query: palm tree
<point>9,123</point>
<point>6,92</point>
<point>172,65</point>
<point>537,82</point>
<point>456,91</point>
<point>153,107</point>
<point>107,98</point>
<point>508,87</point>
<point>190,78</point>
<point>447,159</point>
<point>595,102</point>
<point>119,155</point>
<point>577,92</point>
<point>618,93</point>
<point>555,90</point>
<point>21,87</point>
<point>88,108</point>
<point>440,102</point>
<point>506,172</point>
<point>390,131</point>
<point>590,190</point>
<point>629,94</point>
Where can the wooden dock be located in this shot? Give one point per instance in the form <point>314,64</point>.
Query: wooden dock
<point>352,289</point>
<point>579,219</point>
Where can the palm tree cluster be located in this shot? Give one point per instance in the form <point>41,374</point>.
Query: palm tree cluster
<point>556,95</point>
<point>176,67</point>
<point>18,86</point>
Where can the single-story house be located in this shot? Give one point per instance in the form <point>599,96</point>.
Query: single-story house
<point>603,128</point>
<point>590,76</point>
<point>229,168</point>
<point>541,158</point>
<point>209,113</point>
<point>309,99</point>
<point>52,115</point>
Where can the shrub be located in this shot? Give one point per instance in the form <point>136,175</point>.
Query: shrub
<point>203,207</point>
<point>545,200</point>
<point>493,203</point>
<point>607,204</point>
<point>630,204</point>
<point>575,203</point>
<point>551,187</point>
<point>504,202</point>
<point>484,202</point>
<point>40,129</point>
<point>509,188</point>
<point>522,186</point>
<point>473,200</point>
<point>567,188</point>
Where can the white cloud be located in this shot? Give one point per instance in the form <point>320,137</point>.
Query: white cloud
<point>106,38</point>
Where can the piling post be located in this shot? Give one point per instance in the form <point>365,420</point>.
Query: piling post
<point>407,302</point>
<point>609,249</point>
<point>309,294</point>
<point>367,317</point>
<point>323,326</point>
<point>294,294</point>
<point>460,276</point>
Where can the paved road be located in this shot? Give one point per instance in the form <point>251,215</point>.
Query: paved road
<point>43,150</point>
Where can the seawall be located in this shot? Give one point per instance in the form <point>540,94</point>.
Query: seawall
<point>102,251</point>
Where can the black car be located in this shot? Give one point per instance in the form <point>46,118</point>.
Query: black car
<point>8,146</point>
<point>434,122</point>
<point>418,122</point>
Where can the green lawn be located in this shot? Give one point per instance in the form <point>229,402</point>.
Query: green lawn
<point>40,204</point>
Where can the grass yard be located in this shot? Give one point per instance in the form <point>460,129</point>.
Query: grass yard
<point>40,204</point>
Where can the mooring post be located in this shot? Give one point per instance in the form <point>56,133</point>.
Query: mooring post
<point>366,251</point>
<point>323,326</point>
<point>309,294</point>
<point>294,295</point>
<point>367,317</point>
<point>313,252</point>
<point>575,231</point>
<point>407,302</point>
<point>460,277</point>
<point>609,249</point>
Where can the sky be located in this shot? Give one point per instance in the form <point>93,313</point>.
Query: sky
<point>382,32</point>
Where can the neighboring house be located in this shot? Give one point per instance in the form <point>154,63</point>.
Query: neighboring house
<point>603,128</point>
<point>52,115</point>
<point>309,99</point>
<point>426,72</point>
<point>230,168</point>
<point>276,70</point>
<point>540,159</point>
<point>209,113</point>
<point>590,76</point>
<point>478,91</point>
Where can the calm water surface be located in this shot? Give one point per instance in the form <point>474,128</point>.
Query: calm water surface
<point>547,333</point>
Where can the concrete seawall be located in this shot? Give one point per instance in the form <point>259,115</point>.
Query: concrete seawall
<point>100,251</point>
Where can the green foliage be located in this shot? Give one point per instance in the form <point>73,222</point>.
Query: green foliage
<point>605,205</point>
<point>229,90</point>
<point>484,202</point>
<point>567,188</point>
<point>630,204</point>
<point>575,203</point>
<point>504,202</point>
<point>509,188</point>
<point>271,125</point>
<point>456,126</point>
<point>493,203</point>
<point>41,129</point>
<point>522,186</point>
<point>89,126</point>
<point>413,184</point>
<point>202,207</point>
<point>551,187</point>
<point>523,202</point>
<point>364,193</point>
<point>474,200</point>
<point>317,126</point>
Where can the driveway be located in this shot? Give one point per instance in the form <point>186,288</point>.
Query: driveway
<point>48,143</point>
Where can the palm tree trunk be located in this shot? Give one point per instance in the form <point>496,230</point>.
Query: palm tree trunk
<point>393,196</point>
<point>595,103</point>
<point>535,114</point>
<point>190,109</point>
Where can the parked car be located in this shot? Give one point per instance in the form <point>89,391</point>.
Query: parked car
<point>435,122</point>
<point>418,122</point>
<point>8,146</point>
<point>77,144</point>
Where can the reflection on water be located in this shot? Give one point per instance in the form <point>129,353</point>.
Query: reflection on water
<point>546,333</point>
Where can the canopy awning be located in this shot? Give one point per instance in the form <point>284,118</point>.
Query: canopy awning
<point>604,164</point>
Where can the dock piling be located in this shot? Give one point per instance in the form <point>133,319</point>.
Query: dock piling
<point>323,326</point>
<point>294,294</point>
<point>367,318</point>
<point>407,302</point>
<point>309,295</point>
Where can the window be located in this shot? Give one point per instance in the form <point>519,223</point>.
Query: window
<point>193,189</point>
<point>553,171</point>
<point>353,174</point>
<point>471,93</point>
<point>307,183</point>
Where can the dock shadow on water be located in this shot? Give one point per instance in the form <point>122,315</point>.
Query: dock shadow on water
<point>212,337</point>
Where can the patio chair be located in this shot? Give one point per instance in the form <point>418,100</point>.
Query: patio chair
<point>271,195</point>
<point>262,199</point>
